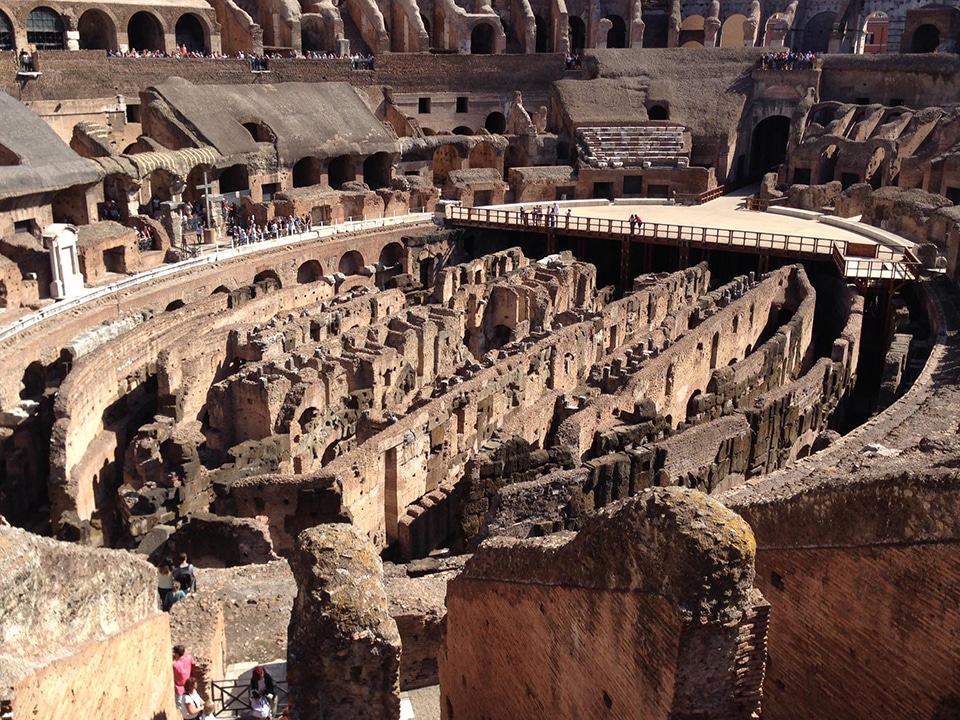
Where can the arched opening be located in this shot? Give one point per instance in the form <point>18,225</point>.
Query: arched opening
<point>34,381</point>
<point>731,32</point>
<point>144,32</point>
<point>234,179</point>
<point>691,31</point>
<point>376,170</point>
<point>495,123</point>
<point>45,29</point>
<point>309,272</point>
<point>926,39</point>
<point>160,182</point>
<point>428,28</point>
<point>481,39</point>
<point>190,33</point>
<point>876,30</point>
<point>192,191</point>
<point>693,405</point>
<point>668,385</point>
<point>483,155</point>
<point>259,131</point>
<point>339,171</point>
<point>221,290</point>
<point>462,130</point>
<point>768,147</point>
<point>269,277</point>
<point>828,164</point>
<point>816,34</point>
<point>714,350</point>
<point>175,305</point>
<point>445,159</point>
<point>350,263</point>
<point>502,335</point>
<point>306,172</point>
<point>97,31</point>
<point>6,32</point>
<point>514,156</point>
<point>543,35</point>
<point>658,112</point>
<point>578,34</point>
<point>391,255</point>
<point>617,35</point>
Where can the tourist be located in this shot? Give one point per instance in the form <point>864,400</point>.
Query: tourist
<point>209,711</point>
<point>26,61</point>
<point>191,704</point>
<point>173,597</point>
<point>185,573</point>
<point>182,670</point>
<point>554,214</point>
<point>567,218</point>
<point>164,580</point>
<point>263,685</point>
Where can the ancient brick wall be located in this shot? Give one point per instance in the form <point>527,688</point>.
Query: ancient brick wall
<point>127,675</point>
<point>526,617</point>
<point>916,80</point>
<point>81,633</point>
<point>852,631</point>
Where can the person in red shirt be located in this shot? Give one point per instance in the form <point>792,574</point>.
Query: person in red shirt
<point>182,670</point>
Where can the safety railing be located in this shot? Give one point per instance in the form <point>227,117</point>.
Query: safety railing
<point>692,235</point>
<point>903,267</point>
<point>207,254</point>
<point>699,198</point>
<point>232,698</point>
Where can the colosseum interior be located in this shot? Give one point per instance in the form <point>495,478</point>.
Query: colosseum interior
<point>489,359</point>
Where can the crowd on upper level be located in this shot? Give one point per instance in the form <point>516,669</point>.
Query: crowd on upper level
<point>257,62</point>
<point>788,61</point>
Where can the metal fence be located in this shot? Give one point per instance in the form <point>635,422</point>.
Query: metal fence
<point>232,698</point>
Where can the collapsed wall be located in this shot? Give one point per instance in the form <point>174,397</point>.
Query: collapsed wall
<point>81,633</point>
<point>653,595</point>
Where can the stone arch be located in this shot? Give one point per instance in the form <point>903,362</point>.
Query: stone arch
<point>309,272</point>
<point>392,254</point>
<point>161,181</point>
<point>462,130</point>
<point>268,276</point>
<point>97,31</point>
<point>816,33</point>
<point>221,290</point>
<point>445,159</point>
<point>377,170</point>
<point>259,130</point>
<point>669,383</point>
<point>768,145</point>
<point>306,172</point>
<point>34,381</point>
<point>351,263</point>
<point>731,32</point>
<point>192,192</point>
<point>828,163</point>
<point>714,350</point>
<point>174,305</point>
<point>514,156</point>
<point>876,31</point>
<point>145,32</point>
<point>926,39</point>
<point>45,29</point>
<point>482,39</point>
<point>192,33</point>
<point>7,40</point>
<point>543,34</point>
<point>616,35</point>
<point>235,178</point>
<point>578,33</point>
<point>691,31</point>
<point>658,112</point>
<point>692,404</point>
<point>496,123</point>
<point>340,170</point>
<point>483,155</point>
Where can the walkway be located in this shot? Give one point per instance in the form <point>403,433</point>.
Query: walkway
<point>723,224</point>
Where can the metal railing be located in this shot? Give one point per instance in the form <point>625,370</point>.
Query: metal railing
<point>689,234</point>
<point>904,268</point>
<point>232,698</point>
<point>700,198</point>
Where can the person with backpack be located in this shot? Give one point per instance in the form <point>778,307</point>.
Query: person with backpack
<point>185,574</point>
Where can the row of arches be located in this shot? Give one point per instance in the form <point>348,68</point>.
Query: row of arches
<point>376,171</point>
<point>45,30</point>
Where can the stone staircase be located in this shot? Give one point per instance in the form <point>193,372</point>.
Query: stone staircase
<point>638,146</point>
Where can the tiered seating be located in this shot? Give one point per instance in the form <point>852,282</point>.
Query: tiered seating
<point>632,146</point>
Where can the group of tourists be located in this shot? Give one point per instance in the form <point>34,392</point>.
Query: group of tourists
<point>145,239</point>
<point>788,61</point>
<point>574,61</point>
<point>539,216</point>
<point>280,226</point>
<point>174,582</point>
<point>263,695</point>
<point>259,62</point>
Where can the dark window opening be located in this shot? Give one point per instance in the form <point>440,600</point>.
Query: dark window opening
<point>45,29</point>
<point>462,104</point>
<point>423,106</point>
<point>801,176</point>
